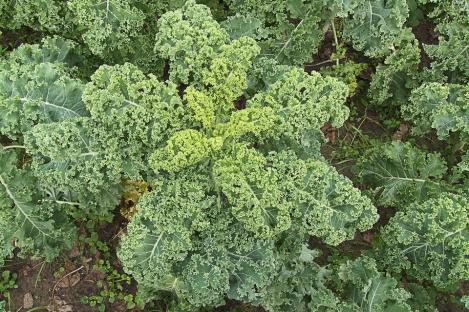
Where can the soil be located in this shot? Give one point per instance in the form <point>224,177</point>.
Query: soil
<point>10,39</point>
<point>37,278</point>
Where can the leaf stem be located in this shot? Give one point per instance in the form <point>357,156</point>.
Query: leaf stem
<point>67,203</point>
<point>14,146</point>
<point>335,40</point>
<point>18,204</point>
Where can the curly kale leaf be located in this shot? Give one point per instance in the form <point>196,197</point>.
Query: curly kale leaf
<point>72,169</point>
<point>128,105</point>
<point>36,225</point>
<point>239,26</point>
<point>430,240</point>
<point>393,80</point>
<point>377,26</point>
<point>400,173</point>
<point>327,204</point>
<point>347,72</point>
<point>450,54</point>
<point>264,73</point>
<point>300,286</point>
<point>226,78</point>
<point>443,107</point>
<point>189,38</point>
<point>36,87</point>
<point>6,246</point>
<point>288,31</point>
<point>184,149</point>
<point>160,233</point>
<point>107,25</point>
<point>460,173</point>
<point>83,160</point>
<point>44,95</point>
<point>119,31</point>
<point>48,15</point>
<point>254,190</point>
<point>51,50</point>
<point>185,241</point>
<point>304,102</point>
<point>423,298</point>
<point>370,289</point>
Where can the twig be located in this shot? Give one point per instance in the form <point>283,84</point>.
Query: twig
<point>117,234</point>
<point>65,276</point>
<point>320,63</point>
<point>375,122</point>
<point>39,273</point>
<point>343,161</point>
<point>336,41</point>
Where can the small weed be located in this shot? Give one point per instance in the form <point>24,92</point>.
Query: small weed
<point>7,282</point>
<point>111,289</point>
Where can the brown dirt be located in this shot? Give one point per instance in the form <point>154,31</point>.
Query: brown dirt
<point>425,34</point>
<point>12,39</point>
<point>37,279</point>
<point>4,140</point>
<point>323,55</point>
<point>64,291</point>
<point>369,126</point>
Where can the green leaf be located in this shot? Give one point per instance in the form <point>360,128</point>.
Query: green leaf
<point>40,15</point>
<point>431,240</point>
<point>370,289</point>
<point>254,192</point>
<point>304,102</point>
<point>443,107</point>
<point>401,173</point>
<point>189,38</point>
<point>36,86</point>
<point>328,205</point>
<point>107,25</point>
<point>239,26</point>
<point>377,26</point>
<point>37,227</point>
<point>395,78</point>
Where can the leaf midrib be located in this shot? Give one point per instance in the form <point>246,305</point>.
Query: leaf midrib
<point>18,204</point>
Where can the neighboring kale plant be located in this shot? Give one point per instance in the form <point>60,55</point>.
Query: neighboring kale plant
<point>43,15</point>
<point>71,144</point>
<point>429,241</point>
<point>439,106</point>
<point>400,173</point>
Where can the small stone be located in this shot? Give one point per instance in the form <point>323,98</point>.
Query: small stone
<point>75,252</point>
<point>28,301</point>
<point>368,237</point>
<point>402,132</point>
